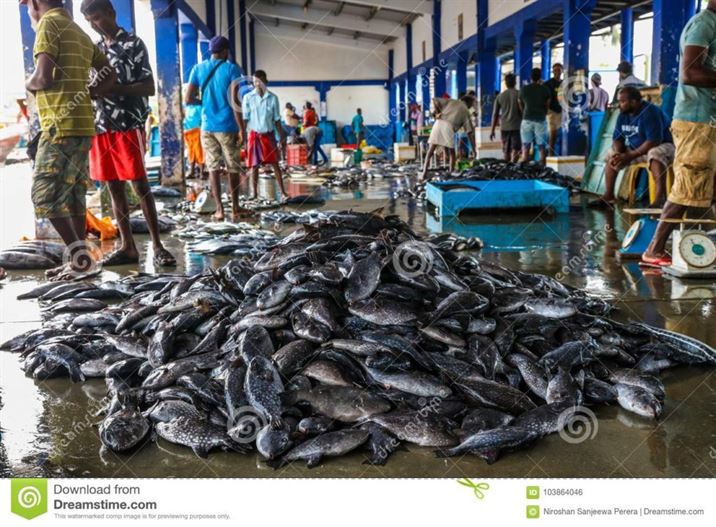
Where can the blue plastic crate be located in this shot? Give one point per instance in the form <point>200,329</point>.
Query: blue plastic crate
<point>452,197</point>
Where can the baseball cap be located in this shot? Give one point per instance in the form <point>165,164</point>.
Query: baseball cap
<point>217,44</point>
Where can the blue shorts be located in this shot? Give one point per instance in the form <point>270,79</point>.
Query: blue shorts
<point>534,132</point>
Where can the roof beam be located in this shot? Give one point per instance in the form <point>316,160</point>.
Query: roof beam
<point>317,17</point>
<point>419,7</point>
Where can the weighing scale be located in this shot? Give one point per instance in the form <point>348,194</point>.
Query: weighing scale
<point>693,250</point>
<point>639,235</point>
<point>204,203</point>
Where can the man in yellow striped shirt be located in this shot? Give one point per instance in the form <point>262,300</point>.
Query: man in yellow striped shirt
<point>64,56</point>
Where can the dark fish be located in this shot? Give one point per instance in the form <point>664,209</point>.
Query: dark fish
<point>263,390</point>
<point>198,434</point>
<point>330,444</point>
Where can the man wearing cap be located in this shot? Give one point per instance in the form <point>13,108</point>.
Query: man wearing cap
<point>117,153</point>
<point>263,119</point>
<point>64,57</point>
<point>214,83</point>
<point>627,78</point>
<point>598,96</point>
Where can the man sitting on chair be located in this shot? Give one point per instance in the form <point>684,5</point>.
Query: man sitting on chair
<point>641,135</point>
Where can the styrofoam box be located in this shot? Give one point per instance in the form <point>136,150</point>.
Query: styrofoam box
<point>567,165</point>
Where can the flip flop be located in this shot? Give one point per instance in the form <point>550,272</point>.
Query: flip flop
<point>163,258</point>
<point>118,258</point>
<point>657,263</point>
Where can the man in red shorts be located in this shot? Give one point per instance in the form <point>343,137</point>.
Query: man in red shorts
<point>262,116</point>
<point>117,153</point>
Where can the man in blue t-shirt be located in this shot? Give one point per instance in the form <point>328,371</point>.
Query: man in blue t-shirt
<point>214,83</point>
<point>641,135</point>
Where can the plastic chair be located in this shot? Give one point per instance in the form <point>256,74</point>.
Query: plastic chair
<point>630,177</point>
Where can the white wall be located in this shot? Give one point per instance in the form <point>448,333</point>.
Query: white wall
<point>296,96</point>
<point>289,58</point>
<point>422,30</point>
<point>342,102</point>
<point>400,63</point>
<point>448,25</point>
<point>499,9</point>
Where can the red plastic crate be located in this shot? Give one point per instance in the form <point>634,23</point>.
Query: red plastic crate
<point>297,155</point>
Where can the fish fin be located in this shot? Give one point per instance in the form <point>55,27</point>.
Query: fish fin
<point>202,452</point>
<point>377,212</point>
<point>490,456</point>
<point>276,463</point>
<point>440,453</point>
<point>313,461</point>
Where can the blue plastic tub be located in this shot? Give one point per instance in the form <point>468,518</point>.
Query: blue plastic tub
<point>451,197</point>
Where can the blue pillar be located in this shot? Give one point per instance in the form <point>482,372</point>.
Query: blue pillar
<point>546,53</point>
<point>188,36</point>
<point>231,17</point>
<point>524,50</point>
<point>627,38</point>
<point>252,45</point>
<point>498,75</point>
<point>125,13</point>
<point>169,94</point>
<point>392,94</point>
<point>425,86</point>
<point>409,74</point>
<point>211,16</point>
<point>577,29</point>
<point>400,87</point>
<point>28,40</point>
<point>323,89</point>
<point>669,21</point>
<point>204,50</point>
<point>461,73</point>
<point>692,7</point>
<point>242,34</point>
<point>487,79</point>
<point>438,67</point>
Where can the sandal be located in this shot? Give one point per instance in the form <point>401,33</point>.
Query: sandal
<point>163,258</point>
<point>658,262</point>
<point>118,257</point>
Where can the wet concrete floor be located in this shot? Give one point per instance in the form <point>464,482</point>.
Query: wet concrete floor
<point>48,428</point>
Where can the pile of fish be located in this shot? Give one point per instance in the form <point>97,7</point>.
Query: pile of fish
<point>32,254</point>
<point>350,335</point>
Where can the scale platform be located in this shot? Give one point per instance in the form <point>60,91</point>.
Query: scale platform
<point>453,197</point>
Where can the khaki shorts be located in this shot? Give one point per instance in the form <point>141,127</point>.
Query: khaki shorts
<point>664,154</point>
<point>554,120</point>
<point>695,164</point>
<point>221,146</point>
<point>61,176</point>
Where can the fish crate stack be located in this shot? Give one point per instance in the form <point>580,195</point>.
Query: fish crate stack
<point>297,155</point>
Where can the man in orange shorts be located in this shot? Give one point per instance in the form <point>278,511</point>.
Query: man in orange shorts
<point>192,139</point>
<point>117,153</point>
